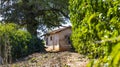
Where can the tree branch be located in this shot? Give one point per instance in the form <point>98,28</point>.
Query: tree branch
<point>56,10</point>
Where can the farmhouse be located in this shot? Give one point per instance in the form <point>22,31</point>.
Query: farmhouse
<point>58,40</point>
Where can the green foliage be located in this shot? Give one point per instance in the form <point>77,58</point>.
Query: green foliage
<point>35,45</point>
<point>21,42</point>
<point>112,60</point>
<point>32,13</point>
<point>95,25</point>
<point>6,31</point>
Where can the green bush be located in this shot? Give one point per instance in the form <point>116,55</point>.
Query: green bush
<point>112,60</point>
<point>20,41</point>
<point>23,44</point>
<point>36,45</point>
<point>95,26</point>
<point>6,31</point>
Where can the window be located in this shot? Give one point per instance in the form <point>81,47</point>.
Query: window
<point>67,38</point>
<point>46,41</point>
<point>51,38</point>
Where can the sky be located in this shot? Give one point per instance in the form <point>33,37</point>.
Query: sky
<point>0,18</point>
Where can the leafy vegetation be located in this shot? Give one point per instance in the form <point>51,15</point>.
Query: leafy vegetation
<point>16,42</point>
<point>35,13</point>
<point>96,30</point>
<point>95,26</point>
<point>112,60</point>
<point>32,15</point>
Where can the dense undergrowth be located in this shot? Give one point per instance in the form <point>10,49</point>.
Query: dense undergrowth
<point>96,29</point>
<point>16,43</point>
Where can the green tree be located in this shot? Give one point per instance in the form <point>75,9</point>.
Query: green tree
<point>96,26</point>
<point>32,13</point>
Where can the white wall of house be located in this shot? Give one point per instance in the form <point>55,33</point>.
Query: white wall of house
<point>57,40</point>
<point>65,32</point>
<point>63,41</point>
<point>53,39</point>
<point>53,42</point>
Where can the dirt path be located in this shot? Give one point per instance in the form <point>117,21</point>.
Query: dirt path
<point>60,59</point>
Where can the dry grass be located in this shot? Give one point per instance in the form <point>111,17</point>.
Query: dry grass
<point>60,59</point>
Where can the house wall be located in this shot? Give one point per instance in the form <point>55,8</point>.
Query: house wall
<point>58,42</point>
<point>53,45</point>
<point>63,42</point>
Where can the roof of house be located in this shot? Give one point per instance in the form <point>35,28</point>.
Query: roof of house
<point>58,30</point>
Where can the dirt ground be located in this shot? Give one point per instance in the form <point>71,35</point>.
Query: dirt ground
<point>60,59</point>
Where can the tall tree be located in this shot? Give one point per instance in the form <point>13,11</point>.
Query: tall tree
<point>32,13</point>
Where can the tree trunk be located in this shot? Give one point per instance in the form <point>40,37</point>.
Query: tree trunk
<point>32,25</point>
<point>32,29</point>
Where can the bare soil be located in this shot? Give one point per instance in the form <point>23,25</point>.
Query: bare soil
<point>59,59</point>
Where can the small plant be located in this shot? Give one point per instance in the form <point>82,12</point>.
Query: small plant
<point>66,65</point>
<point>33,60</point>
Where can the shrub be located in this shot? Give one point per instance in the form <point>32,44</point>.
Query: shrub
<point>36,45</point>
<point>6,31</point>
<point>95,26</point>
<point>19,42</point>
<point>112,60</point>
<point>23,44</point>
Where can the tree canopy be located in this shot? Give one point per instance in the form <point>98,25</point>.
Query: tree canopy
<point>32,13</point>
